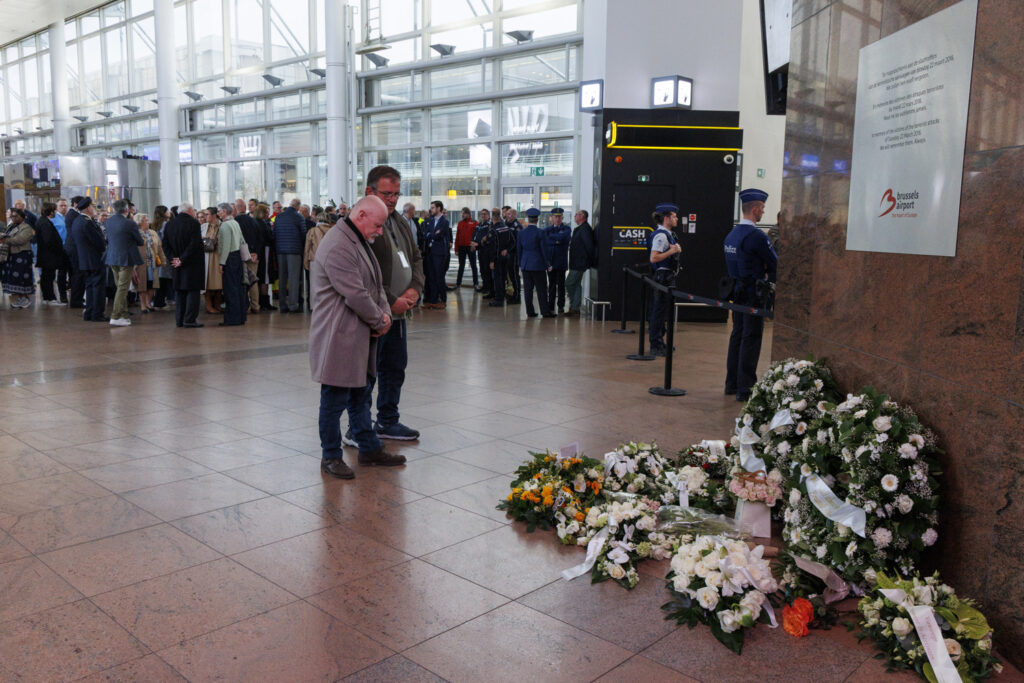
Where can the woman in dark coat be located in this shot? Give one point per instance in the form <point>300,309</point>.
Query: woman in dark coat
<point>51,259</point>
<point>183,245</point>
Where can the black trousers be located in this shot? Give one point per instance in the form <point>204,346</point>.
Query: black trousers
<point>744,350</point>
<point>76,295</point>
<point>486,275</point>
<point>46,279</point>
<point>660,309</point>
<point>500,276</point>
<point>516,284</point>
<point>467,253</point>
<point>556,289</point>
<point>164,293</point>
<point>536,279</point>
<point>235,294</point>
<point>187,309</point>
<point>95,301</point>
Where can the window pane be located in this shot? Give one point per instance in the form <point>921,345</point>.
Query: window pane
<point>530,115</point>
<point>141,7</point>
<point>286,107</point>
<point>396,128</point>
<point>248,179</point>
<point>447,11</point>
<point>70,32</point>
<point>457,81</point>
<point>46,92</point>
<point>247,112</point>
<point>465,39</point>
<point>143,55</point>
<point>246,33</point>
<point>289,29</point>
<point>28,46</point>
<point>211,118</point>
<point>212,184</point>
<point>74,85</point>
<point>117,63</point>
<point>112,14</point>
<point>208,38</point>
<point>15,106</point>
<point>321,23</point>
<point>399,89</point>
<point>31,92</point>
<point>290,179</point>
<point>292,140</point>
<point>145,128</point>
<point>555,156</point>
<point>409,163</point>
<point>402,16</point>
<point>459,123</point>
<point>461,176</point>
<point>247,145</point>
<point>531,70</point>
<point>91,22</point>
<point>210,148</point>
<point>181,55</point>
<point>543,24</point>
<point>92,65</point>
<point>402,52</point>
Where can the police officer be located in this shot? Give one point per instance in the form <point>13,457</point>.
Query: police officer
<point>511,218</point>
<point>535,262</point>
<point>664,250</point>
<point>558,236</point>
<point>750,258</point>
<point>481,244</point>
<point>504,256</point>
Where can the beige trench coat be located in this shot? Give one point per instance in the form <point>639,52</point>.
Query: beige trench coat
<point>348,303</point>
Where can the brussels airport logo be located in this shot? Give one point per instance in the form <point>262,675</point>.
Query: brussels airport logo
<point>903,203</point>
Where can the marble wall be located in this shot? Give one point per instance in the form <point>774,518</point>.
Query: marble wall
<point>944,335</point>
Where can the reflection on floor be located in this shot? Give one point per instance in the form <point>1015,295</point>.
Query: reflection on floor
<point>162,513</point>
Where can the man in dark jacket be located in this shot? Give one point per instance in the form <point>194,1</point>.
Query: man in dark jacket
<point>534,263</point>
<point>51,259</point>
<point>123,242</point>
<point>257,237</point>
<point>183,245</point>
<point>289,241</point>
<point>89,246</point>
<point>437,243</point>
<point>76,285</point>
<point>557,235</point>
<point>582,257</point>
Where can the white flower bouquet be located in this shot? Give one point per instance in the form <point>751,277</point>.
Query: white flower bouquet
<point>635,467</point>
<point>721,583</point>
<point>632,537</point>
<point>891,617</point>
<point>714,457</point>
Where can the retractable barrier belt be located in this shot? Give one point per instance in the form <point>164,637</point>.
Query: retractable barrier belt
<point>693,298</point>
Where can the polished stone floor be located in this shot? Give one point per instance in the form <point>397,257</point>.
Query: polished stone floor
<point>162,513</point>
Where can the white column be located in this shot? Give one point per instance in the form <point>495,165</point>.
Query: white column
<point>59,87</point>
<point>167,99</point>
<point>339,19</point>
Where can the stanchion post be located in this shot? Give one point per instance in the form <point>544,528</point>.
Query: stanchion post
<point>640,355</point>
<point>625,292</point>
<point>668,389</point>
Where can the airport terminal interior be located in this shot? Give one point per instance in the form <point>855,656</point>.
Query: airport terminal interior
<point>687,336</point>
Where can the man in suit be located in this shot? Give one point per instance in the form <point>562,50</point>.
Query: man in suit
<point>437,243</point>
<point>257,237</point>
<point>183,245</point>
<point>582,257</point>
<point>289,242</point>
<point>123,242</point>
<point>350,313</point>
<point>76,286</point>
<point>557,235</point>
<point>89,247</point>
<point>535,263</point>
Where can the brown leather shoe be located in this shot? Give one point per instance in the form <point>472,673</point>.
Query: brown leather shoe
<point>381,458</point>
<point>336,467</point>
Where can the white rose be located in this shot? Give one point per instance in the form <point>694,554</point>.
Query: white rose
<point>871,576</point>
<point>707,597</point>
<point>784,448</point>
<point>929,537</point>
<point>681,584</point>
<point>917,440</point>
<point>615,571</point>
<point>907,451</point>
<point>794,497</point>
<point>905,503</point>
<point>882,537</point>
<point>792,380</point>
<point>778,386</point>
<point>646,523</point>
<point>882,423</point>
<point>714,579</point>
<point>954,649</point>
<point>753,601</point>
<point>901,627</point>
<point>798,405</point>
<point>890,482</point>
<point>860,414</point>
<point>729,621</point>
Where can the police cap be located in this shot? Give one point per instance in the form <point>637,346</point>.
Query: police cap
<point>753,195</point>
<point>557,211</point>
<point>666,207</point>
<point>84,204</point>
<point>532,212</point>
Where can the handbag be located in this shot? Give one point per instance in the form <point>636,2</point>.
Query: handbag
<point>209,244</point>
<point>243,251</point>
<point>248,277</point>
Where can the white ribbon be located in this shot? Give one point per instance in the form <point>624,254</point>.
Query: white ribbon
<point>619,464</point>
<point>728,568</point>
<point>593,550</point>
<point>835,588</point>
<point>683,486</point>
<point>829,504</point>
<point>930,635</point>
<point>717,448</point>
<point>783,418</point>
<point>748,459</point>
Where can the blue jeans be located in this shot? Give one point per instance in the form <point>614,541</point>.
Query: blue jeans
<point>333,402</point>
<point>392,359</point>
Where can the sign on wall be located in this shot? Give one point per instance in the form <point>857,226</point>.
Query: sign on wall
<point>913,89</point>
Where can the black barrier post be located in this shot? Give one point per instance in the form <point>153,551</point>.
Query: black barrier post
<point>625,291</point>
<point>668,389</point>
<point>640,355</point>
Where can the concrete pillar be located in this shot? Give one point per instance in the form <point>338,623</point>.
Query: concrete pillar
<point>167,103</point>
<point>339,73</point>
<point>59,87</point>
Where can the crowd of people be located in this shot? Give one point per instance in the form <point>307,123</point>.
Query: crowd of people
<point>233,254</point>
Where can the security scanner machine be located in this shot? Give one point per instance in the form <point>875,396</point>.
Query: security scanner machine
<point>103,180</point>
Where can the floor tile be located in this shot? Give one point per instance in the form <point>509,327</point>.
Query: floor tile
<point>51,439</point>
<point>192,496</point>
<point>228,410</point>
<point>29,465</point>
<point>249,525</point>
<point>444,411</point>
<point>65,643</point>
<point>79,522</point>
<point>58,419</point>
<point>195,436</point>
<point>550,412</point>
<point>350,501</point>
<point>407,604</point>
<point>271,422</point>
<point>105,452</point>
<point>481,498</point>
<point>320,560</point>
<point>108,563</point>
<point>26,497</point>
<point>495,400</point>
<point>301,440</point>
<point>234,454</point>
<point>443,438</point>
<point>28,586</point>
<point>297,642</point>
<point>10,549</point>
<point>150,669</point>
<point>508,560</point>
<point>280,475</point>
<point>144,472</point>
<point>642,669</point>
<point>516,643</point>
<point>396,668</point>
<point>433,474</point>
<point>500,425</point>
<point>499,456</point>
<point>190,602</point>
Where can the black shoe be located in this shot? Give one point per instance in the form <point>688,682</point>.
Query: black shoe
<point>381,458</point>
<point>514,302</point>
<point>336,467</point>
<point>550,315</point>
<point>742,398</point>
<point>658,351</point>
<point>487,295</point>
<point>452,289</point>
<point>496,304</point>
<point>531,315</point>
<point>229,324</point>
<point>101,319</point>
<point>571,314</point>
<point>730,392</point>
<point>192,325</point>
<point>179,325</point>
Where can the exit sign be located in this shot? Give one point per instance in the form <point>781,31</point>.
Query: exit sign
<point>537,170</point>
<point>643,178</point>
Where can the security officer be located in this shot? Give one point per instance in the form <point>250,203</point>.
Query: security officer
<point>513,222</point>
<point>750,258</point>
<point>535,262</point>
<point>664,266</point>
<point>481,243</point>
<point>504,256</point>
<point>558,236</point>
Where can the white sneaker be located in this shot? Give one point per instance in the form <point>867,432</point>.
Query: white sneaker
<point>120,322</point>
<point>55,303</point>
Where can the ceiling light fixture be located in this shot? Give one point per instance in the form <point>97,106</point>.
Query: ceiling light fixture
<point>520,36</point>
<point>443,50</point>
<point>273,80</point>
<point>230,89</point>
<point>194,96</point>
<point>379,61</point>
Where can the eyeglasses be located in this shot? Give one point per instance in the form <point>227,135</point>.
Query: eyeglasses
<point>387,195</point>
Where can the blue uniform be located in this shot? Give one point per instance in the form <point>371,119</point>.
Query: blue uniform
<point>749,257</point>
<point>558,238</point>
<point>664,272</point>
<point>534,260</point>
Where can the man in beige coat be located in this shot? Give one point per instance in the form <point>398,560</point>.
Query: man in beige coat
<point>350,311</point>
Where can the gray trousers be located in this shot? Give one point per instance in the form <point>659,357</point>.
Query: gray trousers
<point>289,279</point>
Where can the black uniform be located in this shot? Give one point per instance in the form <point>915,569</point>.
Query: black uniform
<point>482,236</point>
<point>505,241</point>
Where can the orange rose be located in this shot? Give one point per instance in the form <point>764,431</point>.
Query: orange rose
<point>795,617</point>
<point>804,607</point>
